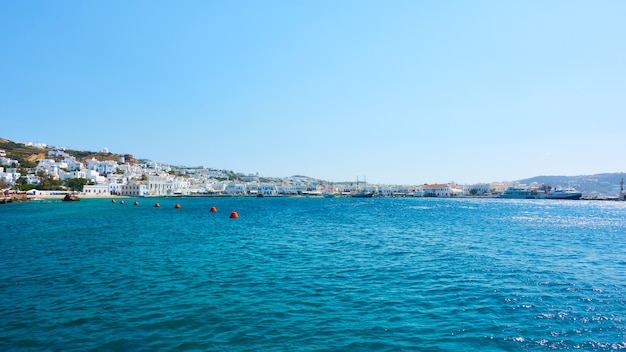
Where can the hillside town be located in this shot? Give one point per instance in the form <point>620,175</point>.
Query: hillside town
<point>127,176</point>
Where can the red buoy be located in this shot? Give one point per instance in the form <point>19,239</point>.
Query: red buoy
<point>177,206</point>
<point>112,200</point>
<point>234,215</point>
<point>213,210</point>
<point>136,203</point>
<point>156,205</point>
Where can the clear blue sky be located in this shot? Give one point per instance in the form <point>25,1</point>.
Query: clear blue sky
<point>403,92</point>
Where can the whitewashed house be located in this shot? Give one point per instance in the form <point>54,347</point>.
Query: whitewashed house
<point>436,190</point>
<point>134,190</point>
<point>107,167</point>
<point>499,187</point>
<point>218,187</point>
<point>32,179</point>
<point>158,186</point>
<point>268,189</point>
<point>10,177</point>
<point>98,190</point>
<point>481,189</point>
<point>289,189</point>
<point>63,175</point>
<point>233,188</point>
<point>48,166</point>
<point>73,164</point>
<point>8,161</point>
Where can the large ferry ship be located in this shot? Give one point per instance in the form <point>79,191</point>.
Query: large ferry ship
<point>522,193</point>
<point>568,193</point>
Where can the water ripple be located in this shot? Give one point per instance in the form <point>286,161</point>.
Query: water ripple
<point>314,275</point>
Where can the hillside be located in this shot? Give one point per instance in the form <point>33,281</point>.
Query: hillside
<point>28,156</point>
<point>607,184</point>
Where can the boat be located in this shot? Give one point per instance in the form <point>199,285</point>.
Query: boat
<point>517,193</point>
<point>312,193</point>
<point>567,193</point>
<point>361,192</point>
<point>329,192</point>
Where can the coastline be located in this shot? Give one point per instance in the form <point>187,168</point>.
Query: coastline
<point>81,196</point>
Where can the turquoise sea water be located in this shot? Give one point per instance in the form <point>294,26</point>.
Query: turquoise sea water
<point>298,274</point>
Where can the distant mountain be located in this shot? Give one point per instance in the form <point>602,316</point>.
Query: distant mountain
<point>590,185</point>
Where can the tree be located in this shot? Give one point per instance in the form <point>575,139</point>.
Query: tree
<point>77,184</point>
<point>45,181</point>
<point>473,191</point>
<point>27,187</point>
<point>19,182</point>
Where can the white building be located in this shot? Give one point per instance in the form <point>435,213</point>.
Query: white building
<point>95,177</point>
<point>216,173</point>
<point>289,189</point>
<point>107,167</point>
<point>10,177</point>
<point>216,187</point>
<point>72,174</point>
<point>499,187</point>
<point>442,190</point>
<point>238,189</point>
<point>134,190</point>
<point>102,167</point>
<point>115,188</point>
<point>32,179</point>
<point>268,189</point>
<point>48,166</point>
<point>8,161</point>
<point>158,186</point>
<point>56,152</point>
<point>481,189</point>
<point>116,178</point>
<point>73,164</point>
<point>96,189</point>
<point>92,164</point>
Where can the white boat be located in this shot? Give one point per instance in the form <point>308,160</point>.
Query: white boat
<point>518,193</point>
<point>567,193</point>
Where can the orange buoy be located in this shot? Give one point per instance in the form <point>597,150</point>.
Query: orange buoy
<point>213,210</point>
<point>136,203</point>
<point>112,200</point>
<point>234,215</point>
<point>177,206</point>
<point>156,205</point>
<point>121,202</point>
